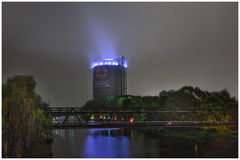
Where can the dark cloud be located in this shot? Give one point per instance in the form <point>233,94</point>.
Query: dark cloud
<point>167,45</point>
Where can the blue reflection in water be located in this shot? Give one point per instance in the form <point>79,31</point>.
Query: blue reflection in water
<point>103,129</point>
<point>105,146</point>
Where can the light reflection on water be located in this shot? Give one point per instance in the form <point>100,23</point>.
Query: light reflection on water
<point>105,146</point>
<point>90,143</point>
<point>119,142</point>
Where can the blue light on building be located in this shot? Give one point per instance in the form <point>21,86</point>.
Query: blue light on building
<point>110,62</point>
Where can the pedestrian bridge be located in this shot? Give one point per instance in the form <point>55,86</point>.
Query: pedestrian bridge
<point>112,117</point>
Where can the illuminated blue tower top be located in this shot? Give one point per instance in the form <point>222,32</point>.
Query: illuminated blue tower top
<point>111,62</point>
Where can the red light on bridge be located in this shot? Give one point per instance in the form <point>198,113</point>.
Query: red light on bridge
<point>131,120</point>
<point>169,123</point>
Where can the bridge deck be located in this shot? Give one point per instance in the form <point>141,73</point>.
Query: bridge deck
<point>76,117</point>
<point>144,124</point>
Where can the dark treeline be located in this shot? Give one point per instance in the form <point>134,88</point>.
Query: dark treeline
<point>26,131</point>
<point>220,105</point>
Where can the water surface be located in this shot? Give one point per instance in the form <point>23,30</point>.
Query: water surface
<point>124,143</point>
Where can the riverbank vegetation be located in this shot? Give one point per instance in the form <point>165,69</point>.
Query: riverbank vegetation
<point>26,130</point>
<point>218,105</point>
<point>219,137</point>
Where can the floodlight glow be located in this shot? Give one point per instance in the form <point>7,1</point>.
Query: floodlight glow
<point>110,62</point>
<point>125,65</point>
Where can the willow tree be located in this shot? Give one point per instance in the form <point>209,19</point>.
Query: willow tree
<point>23,123</point>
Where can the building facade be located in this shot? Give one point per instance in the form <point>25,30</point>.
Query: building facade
<point>109,78</point>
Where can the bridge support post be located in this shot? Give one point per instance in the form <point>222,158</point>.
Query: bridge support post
<point>65,119</point>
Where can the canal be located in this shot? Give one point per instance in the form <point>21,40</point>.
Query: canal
<point>125,143</point>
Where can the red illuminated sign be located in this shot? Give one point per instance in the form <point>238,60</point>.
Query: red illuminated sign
<point>101,73</point>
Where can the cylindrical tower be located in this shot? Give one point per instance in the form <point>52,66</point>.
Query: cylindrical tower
<point>109,78</point>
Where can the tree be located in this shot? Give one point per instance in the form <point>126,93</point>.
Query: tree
<point>219,106</point>
<point>23,122</point>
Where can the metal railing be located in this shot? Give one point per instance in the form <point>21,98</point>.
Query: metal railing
<point>129,116</point>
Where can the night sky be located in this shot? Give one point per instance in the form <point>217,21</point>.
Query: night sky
<point>167,46</point>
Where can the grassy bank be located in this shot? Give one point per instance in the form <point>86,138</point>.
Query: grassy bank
<point>219,137</point>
